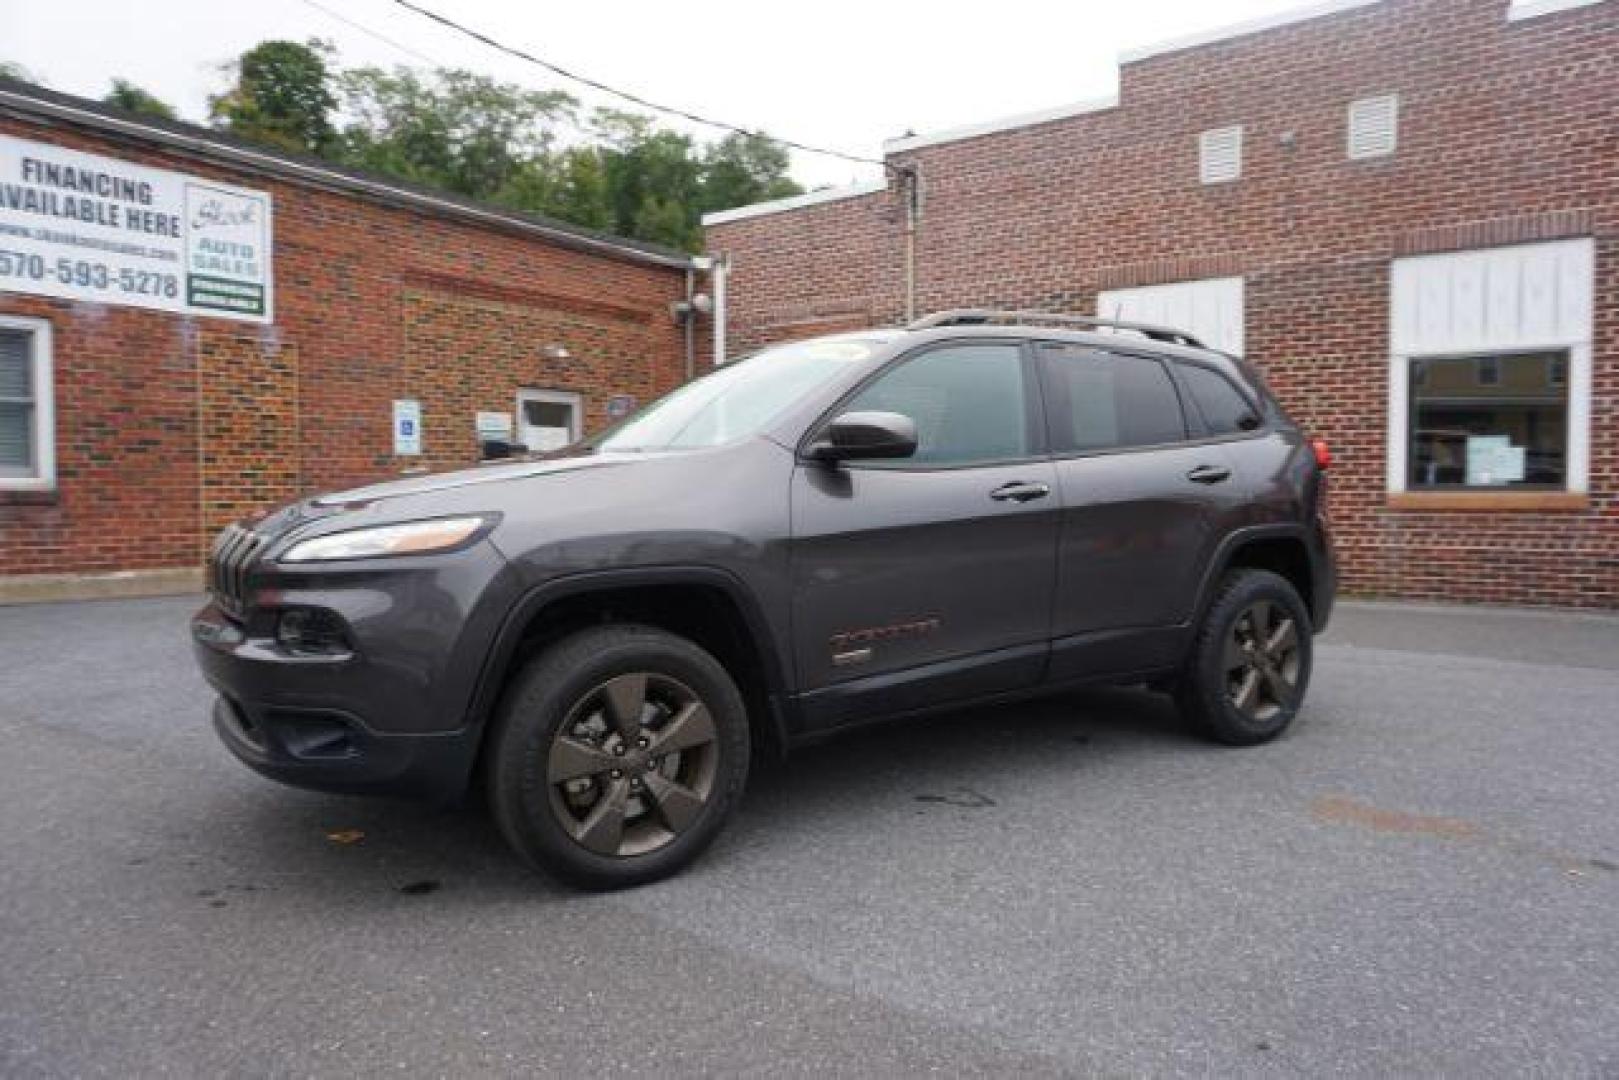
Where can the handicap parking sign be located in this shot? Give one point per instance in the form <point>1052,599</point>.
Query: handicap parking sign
<point>407,428</point>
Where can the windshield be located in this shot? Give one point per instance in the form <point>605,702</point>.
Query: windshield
<point>739,399</point>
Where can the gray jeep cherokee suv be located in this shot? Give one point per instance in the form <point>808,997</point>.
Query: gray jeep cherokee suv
<point>978,507</point>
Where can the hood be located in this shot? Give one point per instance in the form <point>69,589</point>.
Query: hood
<point>355,498</point>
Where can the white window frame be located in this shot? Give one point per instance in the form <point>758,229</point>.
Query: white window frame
<point>1574,339</point>
<point>575,402</point>
<point>44,398</point>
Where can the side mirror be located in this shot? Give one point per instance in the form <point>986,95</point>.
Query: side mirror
<point>500,449</point>
<point>855,436</point>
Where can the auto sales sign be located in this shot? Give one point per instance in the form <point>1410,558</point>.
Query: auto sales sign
<point>86,227</point>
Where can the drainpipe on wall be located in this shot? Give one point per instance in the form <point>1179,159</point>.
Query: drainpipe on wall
<point>690,319</point>
<point>722,269</point>
<point>911,191</point>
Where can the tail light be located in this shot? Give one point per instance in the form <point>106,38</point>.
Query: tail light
<point>1323,453</point>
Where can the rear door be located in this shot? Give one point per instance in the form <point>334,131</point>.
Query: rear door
<point>1140,495</point>
<point>929,579</point>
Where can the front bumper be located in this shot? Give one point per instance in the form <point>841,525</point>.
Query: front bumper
<point>328,751</point>
<point>388,712</point>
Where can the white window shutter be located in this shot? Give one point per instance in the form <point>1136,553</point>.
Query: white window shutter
<point>1220,155</point>
<point>1374,126</point>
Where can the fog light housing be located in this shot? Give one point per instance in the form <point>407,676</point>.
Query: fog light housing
<point>307,631</point>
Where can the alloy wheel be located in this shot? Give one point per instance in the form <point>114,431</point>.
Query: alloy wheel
<point>1262,662</point>
<point>633,764</point>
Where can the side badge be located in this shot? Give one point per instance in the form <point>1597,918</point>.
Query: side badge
<point>855,646</point>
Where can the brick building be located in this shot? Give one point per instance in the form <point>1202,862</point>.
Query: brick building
<point>192,328</point>
<point>1406,212</point>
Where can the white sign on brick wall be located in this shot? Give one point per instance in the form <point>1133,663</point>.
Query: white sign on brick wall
<point>407,427</point>
<point>86,227</point>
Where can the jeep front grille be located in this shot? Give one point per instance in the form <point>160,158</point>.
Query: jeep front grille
<point>234,551</point>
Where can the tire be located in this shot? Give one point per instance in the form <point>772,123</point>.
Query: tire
<point>1249,665</point>
<point>575,778</point>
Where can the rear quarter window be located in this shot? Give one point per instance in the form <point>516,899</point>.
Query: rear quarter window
<point>1225,409</point>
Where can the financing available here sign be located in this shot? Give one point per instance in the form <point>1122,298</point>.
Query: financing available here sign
<point>86,227</point>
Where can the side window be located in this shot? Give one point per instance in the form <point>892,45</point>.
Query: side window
<point>969,403</point>
<point>1224,409</point>
<point>1105,401</point>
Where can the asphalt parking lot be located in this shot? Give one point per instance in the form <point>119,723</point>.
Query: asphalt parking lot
<point>1422,878</point>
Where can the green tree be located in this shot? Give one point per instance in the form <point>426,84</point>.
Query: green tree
<point>653,179</point>
<point>569,184</point>
<point>743,169</point>
<point>456,130</point>
<point>282,97</point>
<point>10,69</point>
<point>471,135</point>
<point>131,98</point>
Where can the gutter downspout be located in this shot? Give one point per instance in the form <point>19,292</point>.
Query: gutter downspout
<point>690,321</point>
<point>912,193</point>
<point>722,270</point>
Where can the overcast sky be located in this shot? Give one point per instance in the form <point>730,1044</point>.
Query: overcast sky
<point>836,73</point>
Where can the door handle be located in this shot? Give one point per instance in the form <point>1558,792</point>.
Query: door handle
<point>1209,474</point>
<point>1020,491</point>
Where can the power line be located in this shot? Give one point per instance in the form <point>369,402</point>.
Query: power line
<point>565,119</point>
<point>634,98</point>
<point>368,32</point>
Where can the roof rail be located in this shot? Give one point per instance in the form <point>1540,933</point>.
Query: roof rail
<point>985,316</point>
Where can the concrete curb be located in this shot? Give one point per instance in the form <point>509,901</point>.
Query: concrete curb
<point>118,584</point>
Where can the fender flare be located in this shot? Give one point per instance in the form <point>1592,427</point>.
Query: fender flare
<point>536,599</point>
<point>1221,559</point>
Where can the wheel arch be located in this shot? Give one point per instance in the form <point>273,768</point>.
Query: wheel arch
<point>705,604</point>
<point>1283,550</point>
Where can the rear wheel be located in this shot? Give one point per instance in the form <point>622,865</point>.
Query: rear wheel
<point>1250,663</point>
<point>619,754</point>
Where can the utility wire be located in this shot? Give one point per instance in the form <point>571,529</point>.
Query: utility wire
<point>641,101</point>
<point>565,119</point>
<point>368,32</point>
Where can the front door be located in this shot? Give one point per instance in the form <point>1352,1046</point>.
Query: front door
<point>929,579</point>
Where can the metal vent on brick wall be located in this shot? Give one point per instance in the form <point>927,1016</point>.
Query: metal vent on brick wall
<point>233,553</point>
<point>1374,124</point>
<point>1219,157</point>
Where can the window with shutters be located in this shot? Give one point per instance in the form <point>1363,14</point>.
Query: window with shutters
<point>1219,157</point>
<point>27,436</point>
<point>1374,125</point>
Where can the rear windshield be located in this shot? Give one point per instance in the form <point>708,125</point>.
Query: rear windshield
<point>737,400</point>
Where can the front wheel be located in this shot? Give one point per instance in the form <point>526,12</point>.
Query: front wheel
<point>619,754</point>
<point>1250,662</point>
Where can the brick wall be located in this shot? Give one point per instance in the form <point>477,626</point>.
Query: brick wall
<point>1508,132</point>
<point>168,425</point>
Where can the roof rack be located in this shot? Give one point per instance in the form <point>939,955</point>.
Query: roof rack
<point>985,316</point>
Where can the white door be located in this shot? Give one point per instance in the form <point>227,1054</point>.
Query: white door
<point>547,419</point>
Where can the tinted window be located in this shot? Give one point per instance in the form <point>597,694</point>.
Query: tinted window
<point>1224,409</point>
<point>1102,401</point>
<point>967,400</point>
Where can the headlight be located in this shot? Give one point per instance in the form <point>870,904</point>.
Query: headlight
<point>413,538</point>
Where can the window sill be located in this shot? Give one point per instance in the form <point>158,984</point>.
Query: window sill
<point>1510,501</point>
